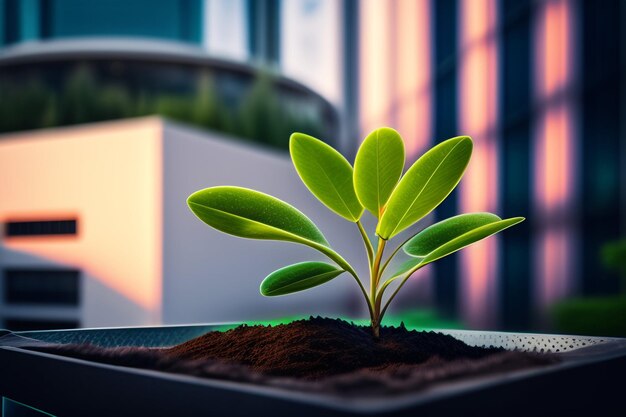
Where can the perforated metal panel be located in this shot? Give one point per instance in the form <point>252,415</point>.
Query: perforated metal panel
<point>171,335</point>
<point>527,342</point>
<point>129,336</point>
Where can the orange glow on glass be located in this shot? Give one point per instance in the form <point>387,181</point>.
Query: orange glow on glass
<point>554,152</point>
<point>375,70</point>
<point>412,96</point>
<point>478,81</point>
<point>395,77</point>
<point>554,159</point>
<point>553,260</point>
<point>554,29</point>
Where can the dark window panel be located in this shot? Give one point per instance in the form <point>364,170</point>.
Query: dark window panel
<point>273,30</point>
<point>18,325</point>
<point>11,21</point>
<point>45,19</point>
<point>600,141</point>
<point>41,228</point>
<point>445,126</point>
<point>264,30</point>
<point>42,286</point>
<point>191,16</point>
<point>515,164</point>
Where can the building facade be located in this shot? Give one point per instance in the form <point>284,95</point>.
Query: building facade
<point>96,230</point>
<point>539,85</point>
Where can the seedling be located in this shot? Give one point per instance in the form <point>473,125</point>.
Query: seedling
<point>375,183</point>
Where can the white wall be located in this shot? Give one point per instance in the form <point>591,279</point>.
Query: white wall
<point>211,276</point>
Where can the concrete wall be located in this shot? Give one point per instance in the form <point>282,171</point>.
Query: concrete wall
<point>211,276</point>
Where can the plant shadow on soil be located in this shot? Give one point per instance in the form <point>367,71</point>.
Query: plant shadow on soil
<point>319,355</point>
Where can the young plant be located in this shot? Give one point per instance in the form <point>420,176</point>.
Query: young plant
<point>375,183</point>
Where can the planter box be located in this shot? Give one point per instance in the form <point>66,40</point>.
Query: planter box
<point>588,380</point>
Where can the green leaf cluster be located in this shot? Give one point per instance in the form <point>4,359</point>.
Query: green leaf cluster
<point>375,184</point>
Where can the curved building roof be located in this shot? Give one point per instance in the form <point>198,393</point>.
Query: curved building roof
<point>121,48</point>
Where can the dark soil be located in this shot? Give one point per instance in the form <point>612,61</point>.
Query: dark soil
<point>320,354</point>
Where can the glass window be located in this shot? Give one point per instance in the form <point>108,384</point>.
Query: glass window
<point>165,19</point>
<point>41,228</point>
<point>42,286</point>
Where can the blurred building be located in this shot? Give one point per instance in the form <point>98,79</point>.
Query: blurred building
<point>283,35</point>
<point>539,85</point>
<point>97,232</point>
<point>74,81</point>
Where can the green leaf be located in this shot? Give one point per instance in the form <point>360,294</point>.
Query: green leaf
<point>327,174</point>
<point>377,168</point>
<point>450,235</point>
<point>298,277</point>
<point>254,215</point>
<point>247,213</point>
<point>425,185</point>
<point>446,230</point>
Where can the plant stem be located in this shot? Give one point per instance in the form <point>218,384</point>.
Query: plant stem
<point>396,250</point>
<point>367,242</point>
<point>374,277</point>
<point>374,280</point>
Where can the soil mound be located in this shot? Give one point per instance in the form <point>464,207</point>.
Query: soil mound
<point>320,347</point>
<point>319,354</point>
